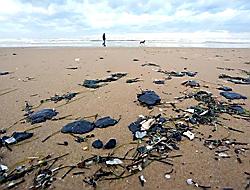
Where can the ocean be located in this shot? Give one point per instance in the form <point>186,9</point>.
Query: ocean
<point>196,39</point>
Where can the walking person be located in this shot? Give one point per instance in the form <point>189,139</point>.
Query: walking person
<point>104,40</point>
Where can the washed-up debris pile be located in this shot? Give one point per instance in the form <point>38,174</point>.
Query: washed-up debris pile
<point>97,83</point>
<point>43,179</point>
<point>236,80</point>
<point>158,138</point>
<point>209,109</point>
<point>57,98</point>
<point>178,74</point>
<point>222,147</point>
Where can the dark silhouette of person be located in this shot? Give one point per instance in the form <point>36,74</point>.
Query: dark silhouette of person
<point>104,40</point>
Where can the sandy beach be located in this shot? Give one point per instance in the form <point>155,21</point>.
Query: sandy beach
<point>39,73</point>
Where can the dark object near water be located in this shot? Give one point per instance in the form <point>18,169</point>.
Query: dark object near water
<point>159,81</point>
<point>4,72</point>
<point>225,88</point>
<point>148,98</point>
<point>58,98</point>
<point>191,83</point>
<point>110,144</point>
<point>150,64</point>
<point>72,68</point>
<point>105,122</point>
<point>18,137</point>
<point>78,127</point>
<point>133,80</point>
<point>190,73</point>
<point>236,80</point>
<point>41,116</point>
<point>65,143</point>
<point>96,83</point>
<point>232,95</point>
<point>92,83</point>
<point>179,74</point>
<point>97,144</point>
<point>114,77</point>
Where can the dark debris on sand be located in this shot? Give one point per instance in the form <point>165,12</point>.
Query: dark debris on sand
<point>97,83</point>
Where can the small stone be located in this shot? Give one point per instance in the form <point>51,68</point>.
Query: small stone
<point>110,144</point>
<point>97,144</point>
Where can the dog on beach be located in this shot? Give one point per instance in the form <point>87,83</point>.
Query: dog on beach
<point>142,42</point>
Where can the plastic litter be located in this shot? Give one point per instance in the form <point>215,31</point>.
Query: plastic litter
<point>114,161</point>
<point>140,135</point>
<point>189,134</point>
<point>142,180</point>
<point>167,176</point>
<point>3,168</point>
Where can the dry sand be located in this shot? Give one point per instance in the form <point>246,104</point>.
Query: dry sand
<point>48,68</point>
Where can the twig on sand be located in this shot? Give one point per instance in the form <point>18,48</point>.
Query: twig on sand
<point>8,91</point>
<point>50,136</point>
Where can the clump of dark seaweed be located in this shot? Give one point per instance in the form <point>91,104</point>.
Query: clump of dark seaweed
<point>41,116</point>
<point>209,109</point>
<point>191,83</point>
<point>57,98</point>
<point>133,80</point>
<point>178,73</point>
<point>232,95</point>
<point>236,80</point>
<point>83,126</point>
<point>97,83</point>
<point>150,64</point>
<point>44,177</point>
<point>15,138</point>
<point>148,98</point>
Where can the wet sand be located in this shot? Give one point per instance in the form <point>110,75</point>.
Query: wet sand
<point>46,68</point>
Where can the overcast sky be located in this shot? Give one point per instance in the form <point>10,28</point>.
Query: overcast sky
<point>77,18</point>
